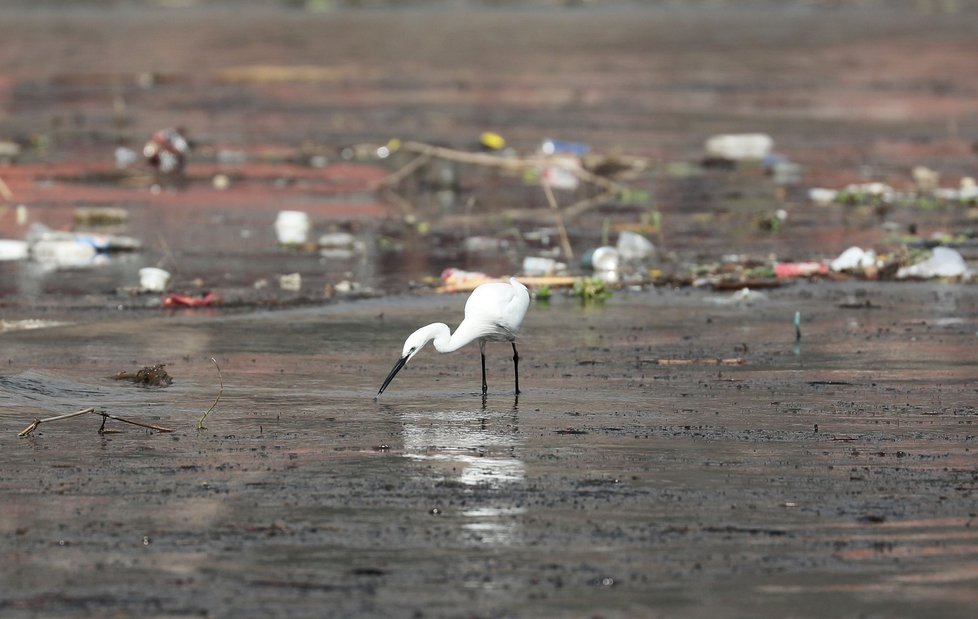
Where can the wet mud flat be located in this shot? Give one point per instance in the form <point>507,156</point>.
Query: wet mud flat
<point>673,454</point>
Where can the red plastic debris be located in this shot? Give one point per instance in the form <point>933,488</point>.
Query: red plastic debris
<point>800,269</point>
<point>174,300</point>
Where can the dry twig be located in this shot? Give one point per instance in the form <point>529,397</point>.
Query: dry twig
<point>200,424</point>
<point>85,411</point>
<point>426,152</point>
<point>405,171</point>
<point>26,431</point>
<point>552,201</point>
<point>135,423</point>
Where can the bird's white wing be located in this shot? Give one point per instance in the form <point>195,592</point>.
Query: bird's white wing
<point>496,310</point>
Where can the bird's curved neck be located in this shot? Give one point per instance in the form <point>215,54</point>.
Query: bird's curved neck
<point>443,339</point>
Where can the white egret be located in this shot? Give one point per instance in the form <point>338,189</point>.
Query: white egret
<point>493,313</point>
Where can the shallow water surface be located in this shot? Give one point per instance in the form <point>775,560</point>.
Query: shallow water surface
<point>613,485</point>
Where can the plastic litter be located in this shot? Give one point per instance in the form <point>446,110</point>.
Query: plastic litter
<point>799,269</point>
<point>291,282</point>
<point>458,277</point>
<point>292,227</point>
<point>561,147</point>
<point>339,245</point>
<point>822,196</point>
<point>94,216</point>
<point>786,172</point>
<point>153,279</point>
<point>63,252</point>
<point>925,179</point>
<point>602,258</point>
<point>744,296</point>
<point>537,266</point>
<point>9,151</point>
<point>167,151</point>
<point>174,300</point>
<point>70,249</point>
<point>740,146</point>
<point>969,189</point>
<point>478,244</point>
<point>560,174</point>
<point>125,157</point>
<point>943,262</point>
<point>492,141</point>
<point>854,258</point>
<point>11,249</point>
<point>634,247</point>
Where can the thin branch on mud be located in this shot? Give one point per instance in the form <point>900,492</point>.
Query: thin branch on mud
<point>26,431</point>
<point>135,423</point>
<point>85,411</point>
<point>200,424</point>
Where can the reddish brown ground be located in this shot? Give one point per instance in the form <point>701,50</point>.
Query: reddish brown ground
<point>852,95</point>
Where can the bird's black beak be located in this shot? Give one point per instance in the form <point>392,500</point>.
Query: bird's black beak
<point>397,368</point>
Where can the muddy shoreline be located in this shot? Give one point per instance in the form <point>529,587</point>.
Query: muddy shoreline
<point>822,483</point>
<point>675,453</point>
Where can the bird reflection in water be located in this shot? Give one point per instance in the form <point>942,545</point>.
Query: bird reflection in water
<point>475,449</point>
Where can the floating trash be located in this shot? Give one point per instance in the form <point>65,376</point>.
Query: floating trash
<point>152,279</point>
<point>739,146</point>
<point>11,249</point>
<point>167,151</point>
<point>854,258</point>
<point>633,247</point>
<point>291,282</point>
<point>292,227</point>
<point>943,262</point>
<point>538,266</point>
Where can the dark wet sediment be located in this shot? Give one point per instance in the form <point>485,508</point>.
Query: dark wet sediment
<point>804,484</point>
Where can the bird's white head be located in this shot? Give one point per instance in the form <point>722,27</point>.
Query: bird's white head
<point>413,345</point>
<point>417,340</point>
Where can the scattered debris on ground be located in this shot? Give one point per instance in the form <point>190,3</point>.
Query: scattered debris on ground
<point>155,376</point>
<point>182,300</point>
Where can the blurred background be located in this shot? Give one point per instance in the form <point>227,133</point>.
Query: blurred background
<point>308,106</point>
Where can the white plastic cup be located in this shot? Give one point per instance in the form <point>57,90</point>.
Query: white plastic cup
<point>292,227</point>
<point>153,279</point>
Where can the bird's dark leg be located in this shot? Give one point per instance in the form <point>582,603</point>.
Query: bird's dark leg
<point>482,351</point>
<point>516,367</point>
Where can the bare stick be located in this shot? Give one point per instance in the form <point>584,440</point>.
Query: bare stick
<point>564,240</point>
<point>579,207</point>
<point>509,163</point>
<point>405,207</point>
<point>26,431</point>
<point>135,423</point>
<point>200,424</point>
